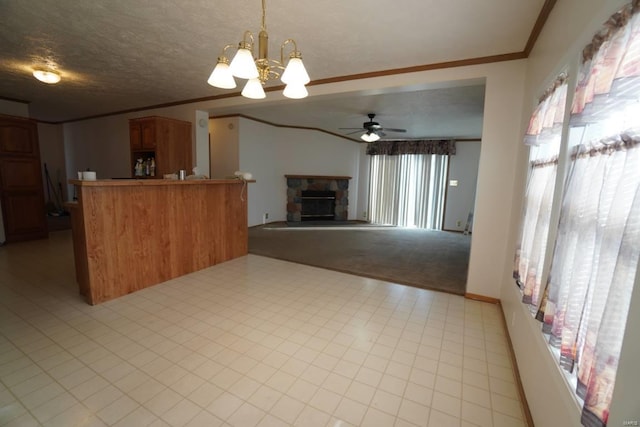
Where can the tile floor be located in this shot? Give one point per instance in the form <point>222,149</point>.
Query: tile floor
<point>251,342</point>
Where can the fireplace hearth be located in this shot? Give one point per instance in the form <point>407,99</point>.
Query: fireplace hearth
<point>317,198</point>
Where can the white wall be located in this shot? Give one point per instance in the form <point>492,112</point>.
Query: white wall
<point>569,28</point>
<point>201,133</point>
<point>101,145</point>
<point>362,210</point>
<point>626,403</point>
<point>496,172</point>
<point>270,153</point>
<point>224,146</point>
<point>463,167</point>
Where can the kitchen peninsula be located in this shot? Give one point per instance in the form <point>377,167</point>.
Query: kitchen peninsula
<point>132,234</point>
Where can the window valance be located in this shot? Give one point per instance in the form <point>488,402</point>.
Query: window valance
<point>545,125</point>
<point>442,147</point>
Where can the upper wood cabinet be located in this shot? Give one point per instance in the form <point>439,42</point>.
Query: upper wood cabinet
<point>21,187</point>
<point>142,133</point>
<point>18,137</point>
<point>166,140</point>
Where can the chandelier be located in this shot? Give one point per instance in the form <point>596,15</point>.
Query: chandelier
<point>258,71</point>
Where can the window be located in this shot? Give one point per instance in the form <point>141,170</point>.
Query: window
<point>543,135</point>
<point>595,254</point>
<point>408,182</point>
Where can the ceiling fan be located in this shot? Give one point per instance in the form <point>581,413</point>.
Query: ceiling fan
<point>372,130</point>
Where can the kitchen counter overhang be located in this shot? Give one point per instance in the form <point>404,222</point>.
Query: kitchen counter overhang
<point>132,234</point>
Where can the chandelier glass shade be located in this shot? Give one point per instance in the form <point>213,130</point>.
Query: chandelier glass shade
<point>221,76</point>
<point>253,89</point>
<point>259,70</point>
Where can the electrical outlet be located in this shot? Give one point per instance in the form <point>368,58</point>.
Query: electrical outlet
<point>266,216</point>
<point>364,214</point>
<point>458,223</point>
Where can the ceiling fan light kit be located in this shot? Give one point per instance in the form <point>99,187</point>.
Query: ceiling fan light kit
<point>372,130</point>
<point>370,137</point>
<point>261,69</point>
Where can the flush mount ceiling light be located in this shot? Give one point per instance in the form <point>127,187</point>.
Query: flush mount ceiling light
<point>49,77</point>
<point>258,71</point>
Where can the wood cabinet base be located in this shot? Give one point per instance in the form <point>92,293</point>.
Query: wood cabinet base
<point>129,235</point>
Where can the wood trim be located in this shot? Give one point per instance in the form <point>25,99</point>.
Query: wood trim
<point>145,182</point>
<point>150,107</point>
<point>418,68</point>
<point>533,37</point>
<point>266,122</point>
<point>512,355</point>
<point>481,298</point>
<point>426,67</point>
<point>22,101</point>
<point>537,27</point>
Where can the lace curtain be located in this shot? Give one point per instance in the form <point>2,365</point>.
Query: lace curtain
<point>597,249</point>
<point>544,134</point>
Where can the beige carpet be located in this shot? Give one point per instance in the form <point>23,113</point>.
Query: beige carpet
<point>422,258</point>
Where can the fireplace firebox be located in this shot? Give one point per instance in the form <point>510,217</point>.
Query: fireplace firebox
<point>318,205</point>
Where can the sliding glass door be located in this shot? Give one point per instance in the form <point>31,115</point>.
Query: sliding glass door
<point>408,190</point>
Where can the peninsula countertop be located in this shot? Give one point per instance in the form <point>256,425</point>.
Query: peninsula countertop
<point>128,182</point>
<point>129,234</point>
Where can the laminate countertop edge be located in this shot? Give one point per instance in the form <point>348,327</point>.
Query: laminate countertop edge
<point>153,182</point>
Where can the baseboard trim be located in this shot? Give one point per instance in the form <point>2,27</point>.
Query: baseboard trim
<point>482,298</point>
<point>525,406</point>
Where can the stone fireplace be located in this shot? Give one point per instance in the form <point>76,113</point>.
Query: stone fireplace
<point>314,197</point>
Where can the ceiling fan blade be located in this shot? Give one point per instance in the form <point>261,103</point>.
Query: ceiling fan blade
<point>394,130</point>
<point>355,131</point>
<point>349,128</point>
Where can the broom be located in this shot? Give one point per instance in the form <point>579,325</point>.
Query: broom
<point>50,206</point>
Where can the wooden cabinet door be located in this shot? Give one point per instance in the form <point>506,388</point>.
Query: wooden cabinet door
<point>21,191</point>
<point>135,136</point>
<point>18,138</point>
<point>23,214</point>
<point>142,134</point>
<point>167,141</point>
<point>148,130</point>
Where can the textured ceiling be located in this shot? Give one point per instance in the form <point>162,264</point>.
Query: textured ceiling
<point>119,55</point>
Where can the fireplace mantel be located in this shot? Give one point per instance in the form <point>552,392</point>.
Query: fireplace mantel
<point>316,177</point>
